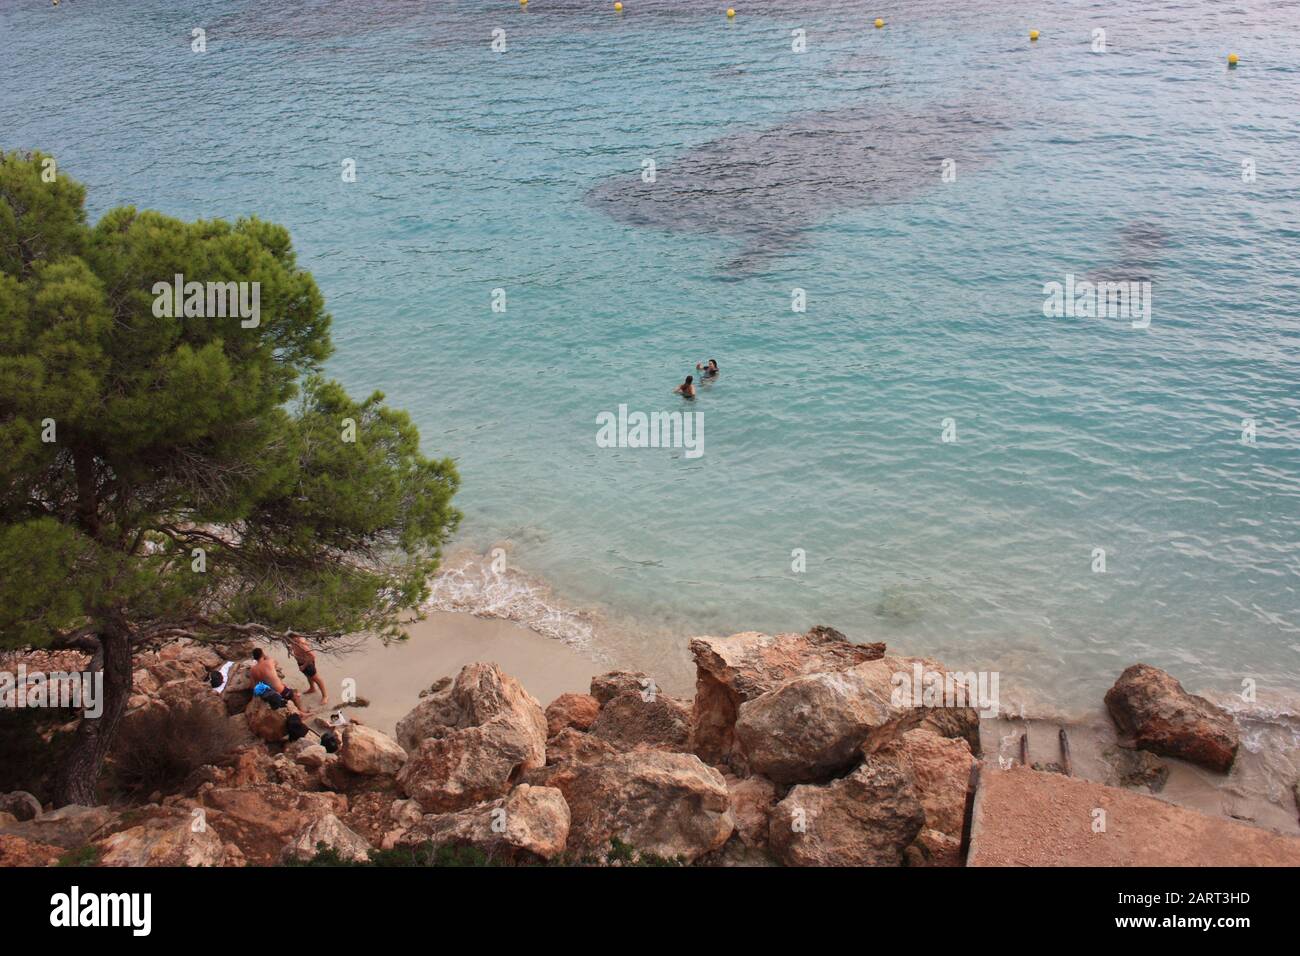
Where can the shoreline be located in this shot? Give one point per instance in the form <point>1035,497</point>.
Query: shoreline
<point>516,621</point>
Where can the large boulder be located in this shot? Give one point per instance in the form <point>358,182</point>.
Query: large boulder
<point>327,833</point>
<point>868,818</point>
<point>732,670</point>
<point>67,827</point>
<point>471,741</point>
<point>21,804</point>
<point>605,687</point>
<point>636,719</point>
<point>530,823</point>
<point>578,711</point>
<point>167,837</point>
<point>813,727</point>
<point>671,805</point>
<point>939,770</point>
<point>1152,710</point>
<point>371,753</point>
<point>567,748</point>
<point>266,722</point>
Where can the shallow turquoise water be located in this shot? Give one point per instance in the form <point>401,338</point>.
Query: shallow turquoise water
<point>520,170</point>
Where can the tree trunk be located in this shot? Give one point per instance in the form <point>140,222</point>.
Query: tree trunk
<point>77,778</point>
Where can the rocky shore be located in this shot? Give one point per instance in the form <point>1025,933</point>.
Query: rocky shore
<point>797,749</point>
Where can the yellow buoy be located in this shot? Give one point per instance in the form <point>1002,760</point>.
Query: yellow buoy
<point>618,7</point>
<point>523,3</point>
<point>730,12</point>
<point>1232,59</point>
<point>1033,34</point>
<point>879,23</point>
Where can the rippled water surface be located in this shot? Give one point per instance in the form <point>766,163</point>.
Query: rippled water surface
<point>821,171</point>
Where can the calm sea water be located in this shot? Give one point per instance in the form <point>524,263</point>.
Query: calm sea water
<point>521,171</point>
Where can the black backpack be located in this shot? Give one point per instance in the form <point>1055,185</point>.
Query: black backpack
<point>295,728</point>
<point>330,741</point>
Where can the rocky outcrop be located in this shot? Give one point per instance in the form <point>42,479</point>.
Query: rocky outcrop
<point>635,719</point>
<point>471,741</point>
<point>67,827</point>
<point>732,670</point>
<point>529,824</point>
<point>166,837</point>
<point>813,727</point>
<point>671,805</point>
<point>868,818</point>
<point>327,832</point>
<point>261,819</point>
<point>17,851</point>
<point>578,711</point>
<point>368,752</point>
<point>1153,712</point>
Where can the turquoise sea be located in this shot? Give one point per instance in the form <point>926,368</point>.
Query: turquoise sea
<point>522,170</point>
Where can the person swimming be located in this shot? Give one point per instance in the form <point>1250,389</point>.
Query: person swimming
<point>710,369</point>
<point>687,388</point>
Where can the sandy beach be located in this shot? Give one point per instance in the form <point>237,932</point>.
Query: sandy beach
<point>391,677</point>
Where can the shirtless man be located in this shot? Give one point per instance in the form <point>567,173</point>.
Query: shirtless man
<point>265,675</point>
<point>306,658</point>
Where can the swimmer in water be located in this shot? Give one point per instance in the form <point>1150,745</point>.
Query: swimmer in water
<point>710,370</point>
<point>687,388</point>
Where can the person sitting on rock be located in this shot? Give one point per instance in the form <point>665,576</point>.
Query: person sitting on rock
<point>306,658</point>
<point>266,673</point>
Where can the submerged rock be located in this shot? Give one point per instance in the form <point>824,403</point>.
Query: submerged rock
<point>1152,710</point>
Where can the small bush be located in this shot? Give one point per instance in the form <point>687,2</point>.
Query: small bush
<point>158,749</point>
<point>81,856</point>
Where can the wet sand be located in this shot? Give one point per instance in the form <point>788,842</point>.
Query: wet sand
<point>391,677</point>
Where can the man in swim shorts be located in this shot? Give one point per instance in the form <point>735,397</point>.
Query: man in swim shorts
<point>266,677</point>
<point>306,658</point>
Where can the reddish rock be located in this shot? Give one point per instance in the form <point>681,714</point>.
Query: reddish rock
<point>262,820</point>
<point>571,710</point>
<point>21,804</point>
<point>530,823</point>
<point>635,719</point>
<point>813,727</point>
<point>19,851</point>
<point>735,669</point>
<point>752,800</point>
<point>567,748</point>
<point>368,752</point>
<point>605,687</point>
<point>473,740</point>
<point>1151,709</point>
<point>267,723</point>
<point>939,770</point>
<point>165,837</point>
<point>668,804</point>
<point>868,818</point>
<point>327,832</point>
